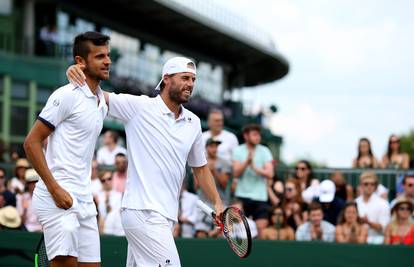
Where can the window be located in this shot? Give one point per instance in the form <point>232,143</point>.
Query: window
<point>42,95</point>
<point>19,90</point>
<point>19,120</point>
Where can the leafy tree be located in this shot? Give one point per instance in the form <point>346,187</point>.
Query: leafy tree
<point>407,143</point>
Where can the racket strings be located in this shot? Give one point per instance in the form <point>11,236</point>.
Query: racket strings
<point>42,260</point>
<point>235,231</point>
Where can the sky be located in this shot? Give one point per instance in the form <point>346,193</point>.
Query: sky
<point>351,74</point>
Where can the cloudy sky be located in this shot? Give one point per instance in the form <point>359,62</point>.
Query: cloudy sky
<point>351,75</point>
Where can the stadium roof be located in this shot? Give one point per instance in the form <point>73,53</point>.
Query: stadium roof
<point>248,60</point>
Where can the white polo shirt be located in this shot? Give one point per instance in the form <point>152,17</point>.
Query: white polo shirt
<point>377,210</point>
<point>74,115</point>
<point>158,147</point>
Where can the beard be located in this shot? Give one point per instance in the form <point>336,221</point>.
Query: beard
<point>95,75</point>
<point>175,94</point>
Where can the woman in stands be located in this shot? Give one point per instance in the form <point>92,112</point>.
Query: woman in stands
<point>395,159</point>
<point>349,228</point>
<point>365,158</point>
<point>400,231</point>
<point>278,228</point>
<point>295,209</point>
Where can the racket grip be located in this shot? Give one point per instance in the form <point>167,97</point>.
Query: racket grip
<point>205,208</point>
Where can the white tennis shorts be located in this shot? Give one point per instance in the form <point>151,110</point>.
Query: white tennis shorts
<point>150,239</point>
<point>73,232</point>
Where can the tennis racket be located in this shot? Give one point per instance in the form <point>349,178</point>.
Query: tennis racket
<point>235,228</point>
<point>40,255</point>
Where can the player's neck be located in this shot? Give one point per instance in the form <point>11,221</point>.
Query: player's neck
<point>173,106</point>
<point>93,84</point>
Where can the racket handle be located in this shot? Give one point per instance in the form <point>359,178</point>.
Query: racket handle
<point>205,208</point>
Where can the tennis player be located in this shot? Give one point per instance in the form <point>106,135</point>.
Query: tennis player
<point>162,136</point>
<point>72,120</point>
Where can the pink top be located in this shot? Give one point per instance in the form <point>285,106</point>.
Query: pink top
<point>118,182</point>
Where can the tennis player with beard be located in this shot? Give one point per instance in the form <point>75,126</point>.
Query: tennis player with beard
<point>72,120</point>
<point>162,136</point>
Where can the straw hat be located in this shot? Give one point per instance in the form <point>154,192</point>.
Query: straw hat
<point>22,163</point>
<point>399,201</point>
<point>9,217</point>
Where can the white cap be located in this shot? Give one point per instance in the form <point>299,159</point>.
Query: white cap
<point>177,65</point>
<point>327,191</point>
<point>31,175</point>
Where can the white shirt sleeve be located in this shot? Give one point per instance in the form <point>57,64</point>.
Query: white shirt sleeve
<point>125,106</point>
<point>197,156</point>
<point>57,108</point>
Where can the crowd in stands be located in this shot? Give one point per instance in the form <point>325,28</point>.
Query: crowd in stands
<point>299,207</point>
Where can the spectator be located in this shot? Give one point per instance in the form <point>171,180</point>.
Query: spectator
<point>395,159</point>
<point>252,225</point>
<point>304,173</point>
<point>331,204</point>
<point>188,213</point>
<point>25,205</point>
<point>3,179</point>
<point>365,158</point>
<point>344,190</point>
<point>400,231</point>
<point>10,218</point>
<point>7,198</point>
<point>96,184</point>
<point>275,192</point>
<point>216,130</point>
<point>17,183</point>
<point>107,198</point>
<point>219,169</point>
<point>106,154</point>
<point>349,228</point>
<point>408,188</point>
<point>48,37</point>
<point>252,168</point>
<point>278,228</point>
<point>113,224</point>
<point>373,210</point>
<point>316,228</point>
<point>295,209</point>
<point>120,174</point>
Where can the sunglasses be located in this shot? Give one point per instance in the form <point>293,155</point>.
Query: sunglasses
<point>402,208</point>
<point>394,141</point>
<point>106,180</point>
<point>301,168</point>
<point>278,213</point>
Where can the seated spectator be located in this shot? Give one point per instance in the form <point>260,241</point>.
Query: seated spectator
<point>17,183</point>
<point>316,228</point>
<point>25,205</point>
<point>400,231</point>
<point>220,169</point>
<point>107,199</point>
<point>373,210</point>
<point>395,158</point>
<point>365,158</point>
<point>304,173</point>
<point>96,184</point>
<point>252,225</point>
<point>344,190</point>
<point>188,213</point>
<point>331,204</point>
<point>7,198</point>
<point>408,188</point>
<point>295,209</point>
<point>10,219</point>
<point>349,228</point>
<point>278,228</point>
<point>113,224</point>
<point>106,154</point>
<point>275,192</point>
<point>120,174</point>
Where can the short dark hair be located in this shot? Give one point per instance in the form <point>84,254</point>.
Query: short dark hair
<point>406,176</point>
<point>81,46</point>
<point>315,206</point>
<point>251,127</point>
<point>120,155</point>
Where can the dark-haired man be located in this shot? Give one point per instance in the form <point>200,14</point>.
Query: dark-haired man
<point>252,169</point>
<point>72,120</point>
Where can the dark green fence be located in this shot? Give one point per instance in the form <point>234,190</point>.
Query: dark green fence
<point>17,249</point>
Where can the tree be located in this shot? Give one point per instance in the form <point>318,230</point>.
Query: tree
<point>407,143</point>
